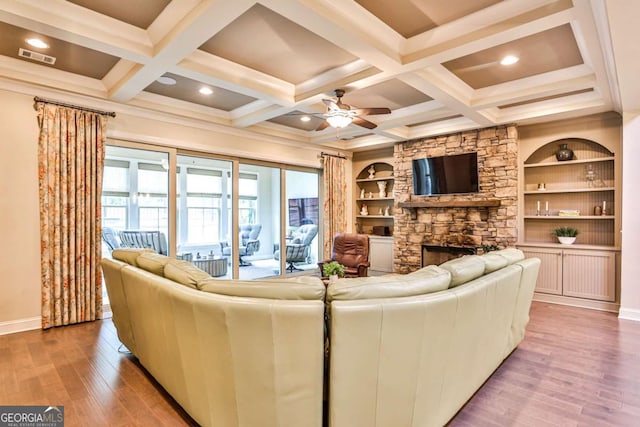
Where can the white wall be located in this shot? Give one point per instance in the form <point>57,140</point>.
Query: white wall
<point>19,203</point>
<point>19,214</point>
<point>630,293</point>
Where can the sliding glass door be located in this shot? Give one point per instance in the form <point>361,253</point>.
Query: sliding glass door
<point>303,221</point>
<point>203,207</point>
<point>135,209</point>
<point>228,215</point>
<point>258,220</point>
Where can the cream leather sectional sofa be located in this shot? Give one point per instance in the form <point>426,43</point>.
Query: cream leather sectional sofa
<point>404,350</point>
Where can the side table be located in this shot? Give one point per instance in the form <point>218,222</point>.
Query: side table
<point>216,266</point>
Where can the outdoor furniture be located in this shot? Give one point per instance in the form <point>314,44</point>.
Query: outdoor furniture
<point>155,240</point>
<point>298,247</point>
<point>248,243</point>
<point>352,251</point>
<point>215,265</point>
<point>110,237</point>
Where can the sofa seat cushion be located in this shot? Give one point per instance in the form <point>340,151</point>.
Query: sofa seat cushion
<point>464,269</point>
<point>184,273</point>
<point>426,280</point>
<point>299,288</point>
<point>129,255</point>
<point>153,263</point>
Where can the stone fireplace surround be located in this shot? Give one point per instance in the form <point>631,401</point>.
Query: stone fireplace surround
<point>456,226</point>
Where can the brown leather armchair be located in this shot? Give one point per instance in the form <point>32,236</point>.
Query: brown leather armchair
<point>352,251</point>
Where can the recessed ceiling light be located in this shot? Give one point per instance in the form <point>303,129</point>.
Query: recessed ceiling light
<point>509,60</point>
<point>37,43</point>
<point>166,80</point>
<point>205,90</point>
<point>305,118</point>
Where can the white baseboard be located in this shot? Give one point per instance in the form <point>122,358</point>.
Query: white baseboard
<point>20,325</point>
<point>629,314</point>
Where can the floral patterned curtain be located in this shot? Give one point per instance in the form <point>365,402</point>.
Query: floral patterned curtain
<point>335,199</point>
<point>70,165</point>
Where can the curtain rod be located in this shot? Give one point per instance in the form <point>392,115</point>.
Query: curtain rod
<point>64,104</point>
<point>341,156</point>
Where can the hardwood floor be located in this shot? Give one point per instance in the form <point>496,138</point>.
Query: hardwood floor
<point>576,367</point>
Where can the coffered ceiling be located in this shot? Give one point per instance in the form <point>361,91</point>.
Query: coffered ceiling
<point>435,64</point>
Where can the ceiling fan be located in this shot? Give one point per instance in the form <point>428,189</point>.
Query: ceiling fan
<point>340,115</point>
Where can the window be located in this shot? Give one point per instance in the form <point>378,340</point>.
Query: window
<point>248,195</point>
<point>204,191</point>
<point>115,194</point>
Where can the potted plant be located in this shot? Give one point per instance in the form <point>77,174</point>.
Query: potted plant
<point>566,235</point>
<point>333,270</point>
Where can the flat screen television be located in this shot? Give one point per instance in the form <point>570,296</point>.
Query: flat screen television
<point>457,173</point>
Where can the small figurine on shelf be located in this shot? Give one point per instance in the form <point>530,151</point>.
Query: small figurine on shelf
<point>372,172</point>
<point>364,210</point>
<point>386,211</point>
<point>380,211</point>
<point>362,193</point>
<point>382,187</point>
<point>370,195</point>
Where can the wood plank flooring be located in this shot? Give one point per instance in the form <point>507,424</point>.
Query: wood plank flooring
<point>576,367</point>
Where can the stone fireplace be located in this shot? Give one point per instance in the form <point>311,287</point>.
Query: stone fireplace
<point>462,220</point>
<point>432,254</point>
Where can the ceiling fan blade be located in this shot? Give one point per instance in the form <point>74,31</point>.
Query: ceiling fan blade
<point>372,111</point>
<point>331,104</point>
<point>323,125</point>
<point>364,123</point>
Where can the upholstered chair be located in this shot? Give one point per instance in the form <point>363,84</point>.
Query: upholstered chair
<point>298,245</point>
<point>352,251</point>
<point>248,241</point>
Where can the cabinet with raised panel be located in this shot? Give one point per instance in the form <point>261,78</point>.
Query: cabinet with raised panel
<point>582,192</point>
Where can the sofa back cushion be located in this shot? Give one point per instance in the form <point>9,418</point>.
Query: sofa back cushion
<point>153,263</point>
<point>129,255</point>
<point>426,280</point>
<point>512,255</point>
<point>464,269</point>
<point>184,273</point>
<point>493,262</point>
<point>300,288</point>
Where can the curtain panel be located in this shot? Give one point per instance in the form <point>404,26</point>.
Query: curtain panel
<point>335,199</point>
<point>70,166</point>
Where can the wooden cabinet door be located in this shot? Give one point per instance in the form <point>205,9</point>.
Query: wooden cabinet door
<point>550,274</point>
<point>589,274</point>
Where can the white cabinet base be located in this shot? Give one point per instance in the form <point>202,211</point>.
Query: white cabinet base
<point>381,254</point>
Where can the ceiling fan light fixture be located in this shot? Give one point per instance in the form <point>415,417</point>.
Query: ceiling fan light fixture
<point>509,60</point>
<point>339,121</point>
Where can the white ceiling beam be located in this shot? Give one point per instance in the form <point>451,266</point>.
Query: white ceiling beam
<point>200,24</point>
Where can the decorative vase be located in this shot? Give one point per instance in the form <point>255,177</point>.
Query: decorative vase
<point>333,278</point>
<point>566,240</point>
<point>564,153</point>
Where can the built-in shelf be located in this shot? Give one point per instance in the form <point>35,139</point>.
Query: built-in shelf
<point>569,162</point>
<point>375,216</point>
<point>489,203</point>
<point>387,178</point>
<point>373,199</point>
<point>573,190</point>
<point>556,217</point>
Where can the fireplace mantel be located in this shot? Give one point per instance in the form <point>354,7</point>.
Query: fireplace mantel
<point>412,205</point>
